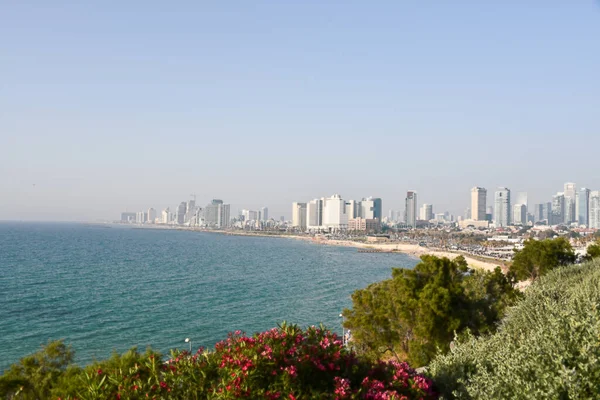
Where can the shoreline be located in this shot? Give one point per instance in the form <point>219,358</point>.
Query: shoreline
<point>412,250</point>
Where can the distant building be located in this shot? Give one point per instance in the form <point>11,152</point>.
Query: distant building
<point>410,209</point>
<point>570,195</point>
<point>128,217</point>
<point>314,214</point>
<point>166,216</point>
<point>212,213</point>
<point>334,213</point>
<point>151,215</point>
<point>558,209</point>
<point>392,215</point>
<point>181,211</point>
<point>519,214</point>
<point>364,225</point>
<point>583,211</point>
<point>594,210</point>
<point>264,213</point>
<point>224,219</point>
<point>141,217</point>
<point>426,212</point>
<point>502,208</point>
<point>478,203</point>
<point>352,209</point>
<point>299,215</point>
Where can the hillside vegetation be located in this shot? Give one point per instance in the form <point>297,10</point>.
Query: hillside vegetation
<point>547,346</point>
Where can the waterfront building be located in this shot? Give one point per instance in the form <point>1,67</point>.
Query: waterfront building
<point>352,208</point>
<point>366,209</point>
<point>166,216</point>
<point>212,213</point>
<point>478,203</point>
<point>426,213</point>
<point>181,211</point>
<point>299,215</point>
<point>314,214</point>
<point>224,219</point>
<point>141,217</point>
<point>151,215</point>
<point>583,213</point>
<point>558,209</point>
<point>364,225</point>
<point>519,214</point>
<point>410,209</point>
<point>128,217</point>
<point>502,208</point>
<point>594,209</point>
<point>264,214</point>
<point>334,213</point>
<point>392,215</point>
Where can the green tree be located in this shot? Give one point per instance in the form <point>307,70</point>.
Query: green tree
<point>538,257</point>
<point>34,376</point>
<point>418,311</point>
<point>593,251</point>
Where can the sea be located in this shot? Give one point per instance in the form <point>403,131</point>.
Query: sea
<point>105,288</point>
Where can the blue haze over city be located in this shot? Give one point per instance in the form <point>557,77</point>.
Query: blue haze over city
<point>123,106</point>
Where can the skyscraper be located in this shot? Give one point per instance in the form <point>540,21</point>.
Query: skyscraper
<point>224,219</point>
<point>352,209</point>
<point>334,213</point>
<point>426,213</point>
<point>478,203</point>
<point>151,215</point>
<point>314,214</point>
<point>558,209</point>
<point>181,210</point>
<point>595,209</point>
<point>410,209</point>
<point>264,213</point>
<point>570,195</point>
<point>502,209</point>
<point>299,215</point>
<point>519,214</point>
<point>583,217</point>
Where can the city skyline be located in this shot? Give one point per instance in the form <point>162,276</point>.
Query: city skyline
<point>265,104</point>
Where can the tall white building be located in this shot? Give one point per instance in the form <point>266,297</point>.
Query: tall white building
<point>141,217</point>
<point>334,213</point>
<point>224,219</point>
<point>478,203</point>
<point>352,209</point>
<point>595,209</point>
<point>570,194</point>
<point>410,209</point>
<point>299,215</point>
<point>519,214</point>
<point>166,216</point>
<point>151,215</point>
<point>426,213</point>
<point>314,214</point>
<point>502,208</point>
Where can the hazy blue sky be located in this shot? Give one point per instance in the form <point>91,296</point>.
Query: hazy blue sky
<point>130,104</point>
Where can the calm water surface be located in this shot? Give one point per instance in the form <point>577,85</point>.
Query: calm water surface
<point>102,289</point>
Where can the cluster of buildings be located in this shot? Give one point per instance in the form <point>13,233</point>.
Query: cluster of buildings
<point>571,207</point>
<point>335,214</point>
<point>215,214</point>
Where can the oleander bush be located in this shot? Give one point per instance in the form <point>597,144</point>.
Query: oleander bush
<point>283,363</point>
<point>547,347</point>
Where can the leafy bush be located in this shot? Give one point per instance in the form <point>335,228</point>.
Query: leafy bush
<point>547,347</point>
<point>417,311</point>
<point>283,363</point>
<point>538,257</point>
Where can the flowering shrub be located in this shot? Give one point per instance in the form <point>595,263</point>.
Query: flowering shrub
<point>282,363</point>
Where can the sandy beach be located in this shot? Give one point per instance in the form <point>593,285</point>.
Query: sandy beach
<point>410,249</point>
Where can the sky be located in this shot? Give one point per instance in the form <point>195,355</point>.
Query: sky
<point>112,106</point>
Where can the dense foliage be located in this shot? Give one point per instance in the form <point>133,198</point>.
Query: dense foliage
<point>418,311</point>
<point>593,251</point>
<point>538,257</point>
<point>547,347</point>
<point>284,363</point>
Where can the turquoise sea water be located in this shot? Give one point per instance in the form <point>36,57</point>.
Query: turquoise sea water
<point>102,289</point>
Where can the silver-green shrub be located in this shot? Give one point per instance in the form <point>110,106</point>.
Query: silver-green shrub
<point>547,347</point>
